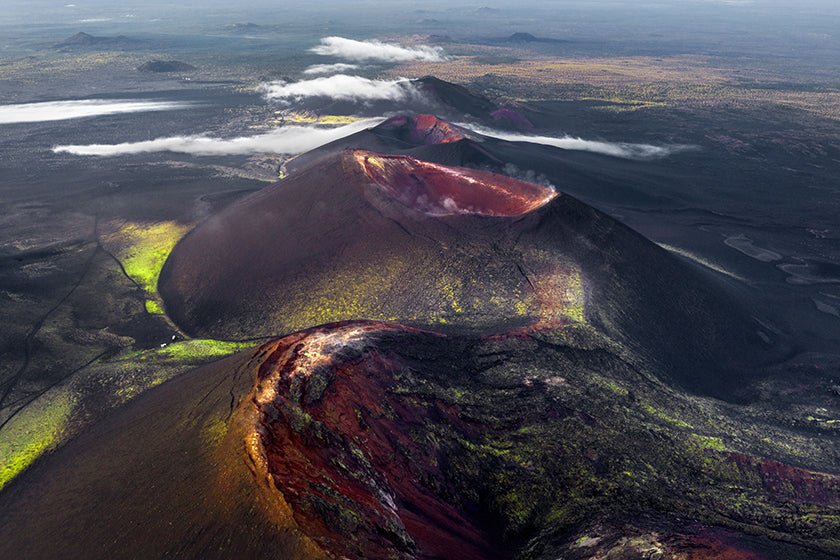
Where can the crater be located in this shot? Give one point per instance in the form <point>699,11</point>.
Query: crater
<point>426,129</point>
<point>439,190</point>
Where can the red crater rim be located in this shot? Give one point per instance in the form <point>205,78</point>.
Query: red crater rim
<point>335,435</point>
<point>427,129</point>
<point>439,190</point>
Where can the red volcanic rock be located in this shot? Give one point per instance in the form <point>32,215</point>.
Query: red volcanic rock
<point>338,240</point>
<point>385,441</point>
<point>423,129</point>
<point>657,536</point>
<point>441,190</point>
<point>350,453</point>
<point>789,483</point>
<point>372,440</point>
<point>425,137</point>
<point>514,118</point>
<point>361,235</point>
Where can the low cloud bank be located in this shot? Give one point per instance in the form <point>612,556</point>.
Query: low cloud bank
<point>376,50</point>
<point>330,68</point>
<point>76,109</point>
<point>286,140</point>
<point>342,87</point>
<point>624,150</point>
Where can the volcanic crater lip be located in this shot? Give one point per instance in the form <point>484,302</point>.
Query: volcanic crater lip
<point>338,376</point>
<point>439,190</point>
<point>429,129</point>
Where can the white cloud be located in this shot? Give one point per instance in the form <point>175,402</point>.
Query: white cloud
<point>286,140</point>
<point>624,150</point>
<point>330,68</point>
<point>375,50</point>
<point>64,110</point>
<point>342,87</point>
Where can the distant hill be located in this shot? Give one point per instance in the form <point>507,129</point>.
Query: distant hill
<point>83,40</point>
<point>456,97</point>
<point>528,38</point>
<point>166,66</point>
<point>445,99</point>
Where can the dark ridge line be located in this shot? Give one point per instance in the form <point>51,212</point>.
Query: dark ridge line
<point>15,379</point>
<point>232,406</point>
<point>48,251</point>
<point>522,272</point>
<point>51,386</point>
<point>402,227</point>
<point>213,388</point>
<point>120,264</point>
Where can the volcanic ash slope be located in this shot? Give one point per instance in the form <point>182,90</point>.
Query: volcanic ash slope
<point>367,440</point>
<point>361,235</point>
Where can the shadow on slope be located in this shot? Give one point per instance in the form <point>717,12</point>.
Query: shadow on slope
<point>374,440</point>
<point>364,235</point>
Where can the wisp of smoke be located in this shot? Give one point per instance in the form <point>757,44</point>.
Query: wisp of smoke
<point>342,87</point>
<point>330,68</point>
<point>286,140</point>
<point>376,50</point>
<point>527,175</point>
<point>75,109</point>
<point>624,150</point>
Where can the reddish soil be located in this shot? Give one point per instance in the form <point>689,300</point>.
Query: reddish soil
<point>351,454</point>
<point>442,190</point>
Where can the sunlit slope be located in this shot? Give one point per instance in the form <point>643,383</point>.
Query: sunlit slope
<point>361,235</point>
<point>358,235</point>
<point>369,440</point>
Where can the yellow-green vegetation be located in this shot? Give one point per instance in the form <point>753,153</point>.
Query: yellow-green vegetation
<point>357,292</point>
<point>49,65</point>
<point>47,422</point>
<point>662,416</point>
<point>618,105</point>
<point>37,429</point>
<point>153,306</point>
<point>427,286</point>
<point>294,117</point>
<point>558,286</point>
<point>196,350</point>
<point>105,382</point>
<point>614,440</point>
<point>420,286</point>
<point>624,83</point>
<point>215,429</point>
<point>142,248</point>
